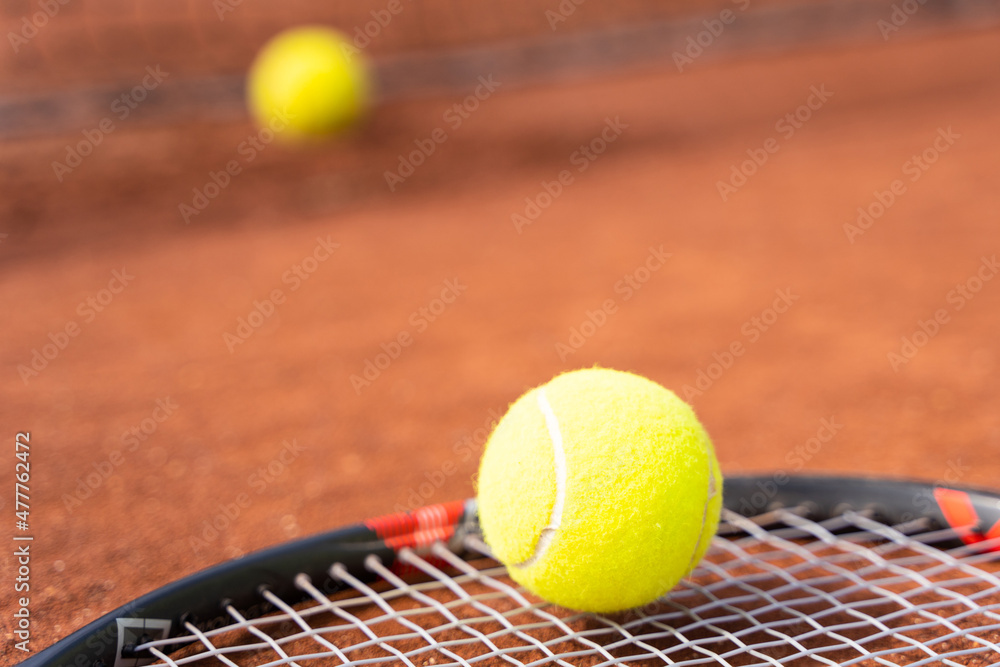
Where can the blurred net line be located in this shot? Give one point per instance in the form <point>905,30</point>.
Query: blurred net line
<point>515,51</point>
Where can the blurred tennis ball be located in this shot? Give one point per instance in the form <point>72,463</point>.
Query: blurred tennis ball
<point>599,490</point>
<point>308,82</point>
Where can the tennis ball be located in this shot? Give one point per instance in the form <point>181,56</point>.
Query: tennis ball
<point>308,82</point>
<point>599,490</point>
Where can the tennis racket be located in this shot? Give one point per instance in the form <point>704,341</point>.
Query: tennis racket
<point>805,571</point>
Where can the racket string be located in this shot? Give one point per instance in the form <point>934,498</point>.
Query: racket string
<point>474,544</point>
<point>877,563</point>
<point>325,603</point>
<point>408,556</point>
<point>925,584</point>
<point>786,591</point>
<point>301,622</point>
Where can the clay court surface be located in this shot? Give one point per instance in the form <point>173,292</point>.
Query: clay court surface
<point>128,495</point>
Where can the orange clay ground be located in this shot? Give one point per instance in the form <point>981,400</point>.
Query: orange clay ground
<point>413,435</point>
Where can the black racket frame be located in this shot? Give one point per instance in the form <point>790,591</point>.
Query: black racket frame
<point>201,598</point>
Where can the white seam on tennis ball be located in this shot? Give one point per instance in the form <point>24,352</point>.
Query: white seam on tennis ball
<point>712,490</point>
<point>548,533</point>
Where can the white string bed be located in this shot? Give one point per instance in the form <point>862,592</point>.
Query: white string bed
<point>847,591</point>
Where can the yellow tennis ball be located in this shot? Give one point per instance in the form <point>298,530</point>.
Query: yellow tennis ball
<point>308,82</point>
<point>599,490</point>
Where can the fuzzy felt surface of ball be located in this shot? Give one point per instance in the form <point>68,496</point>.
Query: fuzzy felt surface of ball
<point>308,82</point>
<point>599,490</point>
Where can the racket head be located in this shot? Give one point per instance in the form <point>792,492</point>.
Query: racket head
<point>835,570</point>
